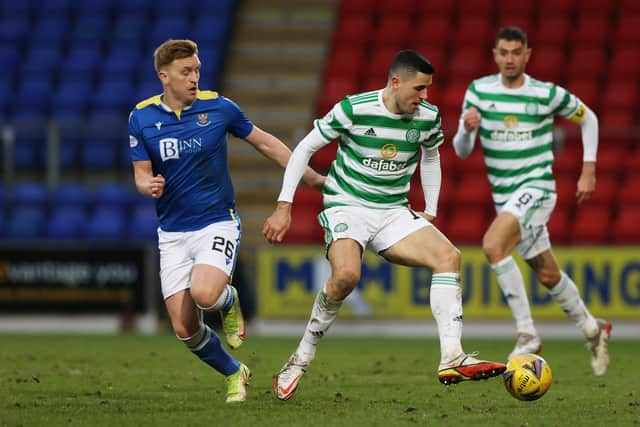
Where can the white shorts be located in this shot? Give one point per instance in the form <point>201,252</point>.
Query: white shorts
<point>532,207</point>
<point>377,229</point>
<point>215,245</point>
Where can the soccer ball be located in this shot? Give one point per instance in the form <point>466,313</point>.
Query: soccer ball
<point>528,377</point>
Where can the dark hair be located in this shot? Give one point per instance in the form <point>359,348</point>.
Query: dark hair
<point>171,50</point>
<point>510,34</point>
<point>410,61</point>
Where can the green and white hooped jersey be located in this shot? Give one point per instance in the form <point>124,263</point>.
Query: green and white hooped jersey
<point>516,131</point>
<point>377,150</point>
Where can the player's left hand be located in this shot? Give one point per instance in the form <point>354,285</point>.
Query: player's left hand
<point>586,183</point>
<point>276,226</point>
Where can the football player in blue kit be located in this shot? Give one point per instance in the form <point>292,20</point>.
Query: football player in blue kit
<point>178,148</point>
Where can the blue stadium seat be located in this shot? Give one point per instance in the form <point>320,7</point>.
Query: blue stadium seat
<point>31,134</point>
<point>164,28</point>
<point>50,28</point>
<point>99,154</point>
<point>121,62</point>
<point>81,62</point>
<point>144,223</point>
<point>67,223</point>
<point>33,195</point>
<point>112,95</point>
<point>220,7</point>
<point>13,29</point>
<point>42,59</point>
<point>70,137</point>
<point>130,27</point>
<point>56,6</point>
<point>71,97</point>
<point>107,224</point>
<point>32,97</point>
<point>146,89</point>
<point>210,30</point>
<point>90,28</point>
<point>112,196</point>
<point>70,195</point>
<point>25,222</point>
<point>95,7</point>
<point>137,6</point>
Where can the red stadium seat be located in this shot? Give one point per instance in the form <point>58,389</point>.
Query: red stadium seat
<point>620,94</point>
<point>357,7</point>
<point>434,31</point>
<point>627,30</point>
<point>391,7</point>
<point>586,63</point>
<point>465,225</point>
<point>628,7</point>
<point>473,30</point>
<point>593,29</point>
<point>625,228</point>
<point>616,118</point>
<point>353,30</point>
<point>304,226</point>
<point>543,64</point>
<point>601,7</point>
<point>435,8</point>
<point>453,96</point>
<point>559,225</point>
<point>630,192</point>
<point>566,187</point>
<point>476,7</point>
<point>591,225</point>
<point>568,160</point>
<point>610,157</point>
<point>624,63</point>
<point>551,32</point>
<point>547,8</point>
<point>510,7</point>
<point>308,197</point>
<point>334,90</point>
<point>607,187</point>
<point>587,90</point>
<point>345,61</point>
<point>392,30</point>
<point>516,18</point>
<point>416,196</point>
<point>632,161</point>
<point>472,191</point>
<point>321,159</point>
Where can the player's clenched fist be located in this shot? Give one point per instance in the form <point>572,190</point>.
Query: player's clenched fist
<point>156,186</point>
<point>471,119</point>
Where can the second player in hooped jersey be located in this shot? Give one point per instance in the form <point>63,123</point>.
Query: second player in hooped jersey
<point>181,146</point>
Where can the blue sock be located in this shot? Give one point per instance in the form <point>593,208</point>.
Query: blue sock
<point>211,352</point>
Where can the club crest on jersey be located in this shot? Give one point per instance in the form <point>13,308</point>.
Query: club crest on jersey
<point>412,135</point>
<point>531,108</point>
<point>203,119</point>
<point>511,122</point>
<point>389,151</point>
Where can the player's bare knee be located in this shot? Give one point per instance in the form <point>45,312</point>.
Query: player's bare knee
<point>449,259</point>
<point>205,297</point>
<point>493,248</point>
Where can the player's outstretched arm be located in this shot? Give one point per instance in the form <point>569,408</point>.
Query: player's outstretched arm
<point>146,183</point>
<point>274,149</point>
<point>588,122</point>
<point>276,226</point>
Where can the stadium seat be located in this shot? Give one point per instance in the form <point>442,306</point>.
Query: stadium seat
<point>353,30</point>
<point>25,222</point>
<point>566,187</point>
<point>71,97</point>
<point>67,223</point>
<point>516,18</point>
<point>32,97</point>
<point>586,63</point>
<point>472,193</point>
<point>121,62</point>
<point>544,61</point>
<point>90,28</point>
<point>592,30</point>
<point>628,7</point>
<point>112,95</point>
<point>32,195</point>
<point>305,227</point>
<point>622,94</point>
<point>130,27</point>
<point>345,62</point>
<point>568,160</point>
<point>624,63</point>
<point>625,228</point>
<point>392,29</point>
<point>465,226</point>
<point>41,60</point>
<point>357,7</point>
<point>81,62</point>
<point>321,159</point>
<point>334,90</point>
<point>13,29</point>
<point>434,33</point>
<point>175,26</point>
<point>627,30</point>
<point>591,225</point>
<point>70,195</point>
<point>559,225</point>
<point>144,223</point>
<point>107,224</point>
<point>50,28</point>
<point>112,196</point>
<point>555,8</point>
<point>629,194</point>
<point>210,29</point>
<point>473,30</point>
<point>610,157</point>
<point>587,90</point>
<point>552,32</point>
<point>606,192</point>
<point>618,118</point>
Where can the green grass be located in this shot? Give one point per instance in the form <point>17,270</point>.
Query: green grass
<point>138,381</point>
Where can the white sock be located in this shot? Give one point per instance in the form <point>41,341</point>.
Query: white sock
<point>512,286</point>
<point>323,314</point>
<point>568,298</point>
<point>446,305</point>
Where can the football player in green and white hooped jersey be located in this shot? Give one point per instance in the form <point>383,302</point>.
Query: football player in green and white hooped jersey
<point>380,135</point>
<point>513,114</point>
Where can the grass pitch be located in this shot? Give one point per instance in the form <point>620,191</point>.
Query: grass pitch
<point>133,380</point>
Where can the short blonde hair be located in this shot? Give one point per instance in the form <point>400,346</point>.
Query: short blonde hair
<point>171,50</point>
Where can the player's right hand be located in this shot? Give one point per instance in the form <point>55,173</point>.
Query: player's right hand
<point>276,226</point>
<point>156,186</point>
<point>471,119</point>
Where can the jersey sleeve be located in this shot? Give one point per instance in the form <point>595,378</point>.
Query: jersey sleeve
<point>137,149</point>
<point>470,98</point>
<point>564,103</point>
<point>435,136</point>
<point>337,121</point>
<point>239,124</point>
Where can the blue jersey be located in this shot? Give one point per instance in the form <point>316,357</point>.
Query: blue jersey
<point>189,149</point>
